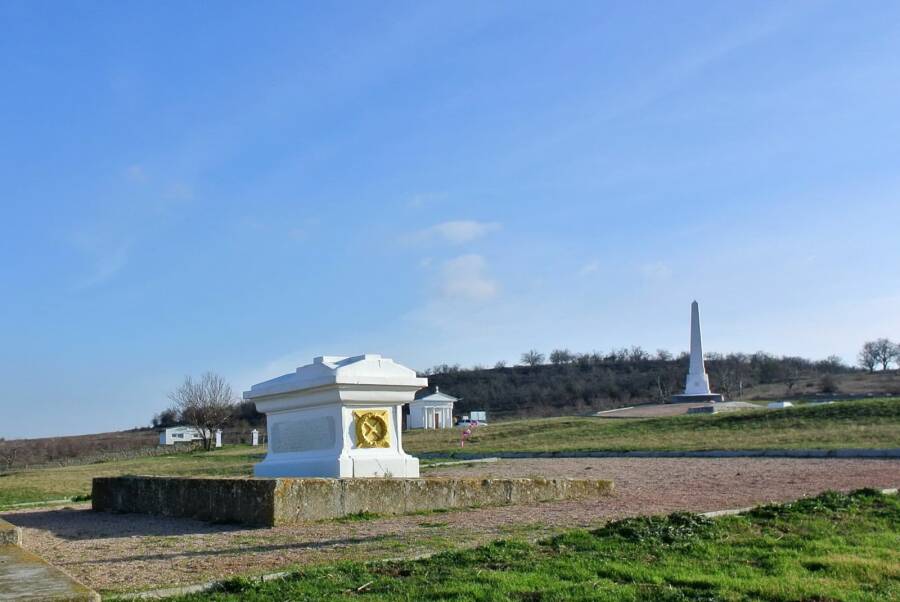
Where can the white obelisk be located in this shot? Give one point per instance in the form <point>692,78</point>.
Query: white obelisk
<point>696,386</point>
<point>697,382</point>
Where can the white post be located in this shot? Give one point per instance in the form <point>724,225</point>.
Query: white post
<point>697,382</point>
<point>218,437</point>
<point>254,437</point>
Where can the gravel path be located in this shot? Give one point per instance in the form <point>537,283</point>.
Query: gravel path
<point>111,552</point>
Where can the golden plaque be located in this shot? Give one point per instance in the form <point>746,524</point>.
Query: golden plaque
<point>372,428</point>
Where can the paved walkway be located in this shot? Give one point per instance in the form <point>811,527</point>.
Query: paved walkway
<point>24,576</point>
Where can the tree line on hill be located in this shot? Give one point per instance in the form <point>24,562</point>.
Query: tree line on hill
<point>880,352</point>
<point>596,381</point>
<point>557,383</point>
<point>16,453</point>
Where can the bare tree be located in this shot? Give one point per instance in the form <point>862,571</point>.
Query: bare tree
<point>561,356</point>
<point>866,358</point>
<point>637,354</point>
<point>501,364</point>
<point>206,404</point>
<point>663,355</point>
<point>831,364</point>
<point>884,351</point>
<point>8,455</point>
<point>533,358</point>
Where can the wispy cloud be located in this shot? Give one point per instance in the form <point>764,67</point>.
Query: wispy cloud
<point>179,191</point>
<point>456,232</point>
<point>657,271</point>
<point>136,173</point>
<point>465,277</point>
<point>589,268</point>
<point>105,256</point>
<point>424,199</point>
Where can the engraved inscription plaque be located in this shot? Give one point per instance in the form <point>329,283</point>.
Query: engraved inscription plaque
<point>303,435</point>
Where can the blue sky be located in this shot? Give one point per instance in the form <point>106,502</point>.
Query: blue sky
<point>238,187</point>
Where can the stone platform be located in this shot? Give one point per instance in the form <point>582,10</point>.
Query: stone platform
<point>697,398</point>
<point>271,502</point>
<point>24,576</point>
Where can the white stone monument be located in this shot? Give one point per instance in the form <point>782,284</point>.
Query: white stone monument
<point>218,437</point>
<point>254,438</point>
<point>337,417</point>
<point>696,386</point>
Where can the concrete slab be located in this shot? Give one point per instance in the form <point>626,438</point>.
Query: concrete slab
<point>24,576</point>
<point>10,535</point>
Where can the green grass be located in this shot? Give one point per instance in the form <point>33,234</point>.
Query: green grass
<point>868,423</point>
<point>832,547</point>
<point>66,482</point>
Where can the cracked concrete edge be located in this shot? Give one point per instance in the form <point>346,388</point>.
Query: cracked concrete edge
<point>198,588</point>
<point>41,572</point>
<point>10,534</point>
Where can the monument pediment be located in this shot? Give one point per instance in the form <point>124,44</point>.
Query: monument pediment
<point>328,370</point>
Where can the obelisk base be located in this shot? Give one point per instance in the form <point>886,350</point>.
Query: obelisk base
<point>713,397</point>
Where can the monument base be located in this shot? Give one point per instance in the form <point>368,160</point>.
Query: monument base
<point>712,397</point>
<point>404,466</point>
<point>271,502</point>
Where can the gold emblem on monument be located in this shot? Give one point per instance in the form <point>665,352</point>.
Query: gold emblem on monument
<point>372,428</point>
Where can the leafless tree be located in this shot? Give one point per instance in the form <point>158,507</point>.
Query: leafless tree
<point>206,404</point>
<point>637,354</point>
<point>532,358</point>
<point>561,356</point>
<point>8,455</point>
<point>500,365</point>
<point>884,351</point>
<point>663,355</point>
<point>866,358</point>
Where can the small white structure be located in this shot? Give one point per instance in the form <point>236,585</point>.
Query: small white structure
<point>218,437</point>
<point>179,434</point>
<point>431,410</point>
<point>779,405</point>
<point>337,417</point>
<point>254,438</point>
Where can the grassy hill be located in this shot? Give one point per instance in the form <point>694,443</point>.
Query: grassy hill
<point>866,424</point>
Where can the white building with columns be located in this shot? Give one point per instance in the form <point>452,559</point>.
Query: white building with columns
<point>431,410</point>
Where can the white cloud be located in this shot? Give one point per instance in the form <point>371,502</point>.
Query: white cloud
<point>589,268</point>
<point>657,272</point>
<point>106,256</point>
<point>457,232</point>
<point>422,200</point>
<point>465,277</point>
<point>136,173</point>
<point>179,191</point>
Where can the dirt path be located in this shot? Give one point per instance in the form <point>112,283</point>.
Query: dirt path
<point>127,552</point>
